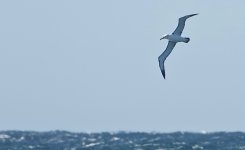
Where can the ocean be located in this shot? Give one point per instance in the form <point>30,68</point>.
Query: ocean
<point>63,140</point>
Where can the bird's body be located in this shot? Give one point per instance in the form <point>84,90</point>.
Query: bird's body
<point>173,38</point>
<point>177,38</point>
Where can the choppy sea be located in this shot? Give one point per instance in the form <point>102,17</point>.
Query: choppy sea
<point>63,140</point>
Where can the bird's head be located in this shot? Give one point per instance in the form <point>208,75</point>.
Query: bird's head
<point>165,36</point>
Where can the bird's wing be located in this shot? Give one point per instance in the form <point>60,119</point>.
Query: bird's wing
<point>164,55</point>
<point>181,24</point>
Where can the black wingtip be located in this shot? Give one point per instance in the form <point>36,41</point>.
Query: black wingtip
<point>193,15</point>
<point>163,73</point>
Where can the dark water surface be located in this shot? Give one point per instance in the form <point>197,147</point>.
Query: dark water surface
<point>62,140</point>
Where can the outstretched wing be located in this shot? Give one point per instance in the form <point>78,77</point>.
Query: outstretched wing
<point>181,24</point>
<point>164,55</point>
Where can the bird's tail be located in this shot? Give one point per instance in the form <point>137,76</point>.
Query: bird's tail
<point>187,40</point>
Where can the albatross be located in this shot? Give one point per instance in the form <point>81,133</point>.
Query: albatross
<point>173,38</point>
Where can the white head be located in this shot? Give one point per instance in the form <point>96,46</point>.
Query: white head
<point>165,36</point>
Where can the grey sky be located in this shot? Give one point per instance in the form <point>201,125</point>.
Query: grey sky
<point>92,66</point>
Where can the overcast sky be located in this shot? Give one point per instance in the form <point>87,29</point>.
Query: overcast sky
<point>92,66</point>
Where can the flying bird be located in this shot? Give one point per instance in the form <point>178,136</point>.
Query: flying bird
<point>174,38</point>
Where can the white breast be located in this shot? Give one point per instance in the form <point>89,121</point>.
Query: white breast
<point>176,38</point>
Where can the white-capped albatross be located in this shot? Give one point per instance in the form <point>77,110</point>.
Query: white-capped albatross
<point>172,40</point>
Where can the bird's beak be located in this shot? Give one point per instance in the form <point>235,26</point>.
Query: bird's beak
<point>162,38</point>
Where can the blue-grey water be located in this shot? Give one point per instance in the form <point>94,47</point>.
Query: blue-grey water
<point>63,140</point>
